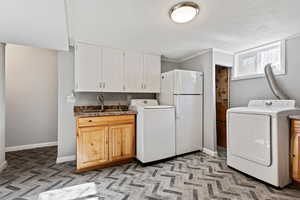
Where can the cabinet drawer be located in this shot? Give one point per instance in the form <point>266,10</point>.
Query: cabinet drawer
<point>105,120</point>
<point>296,124</point>
<point>296,130</point>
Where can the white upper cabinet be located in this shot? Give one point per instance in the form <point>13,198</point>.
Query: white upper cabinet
<point>133,72</point>
<point>99,69</point>
<point>152,71</point>
<point>87,66</point>
<point>112,70</point>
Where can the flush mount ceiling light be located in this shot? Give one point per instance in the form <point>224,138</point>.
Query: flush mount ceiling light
<point>184,12</point>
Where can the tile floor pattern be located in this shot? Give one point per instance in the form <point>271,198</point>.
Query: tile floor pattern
<point>190,177</point>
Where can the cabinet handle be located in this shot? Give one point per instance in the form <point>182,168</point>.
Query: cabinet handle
<point>90,120</point>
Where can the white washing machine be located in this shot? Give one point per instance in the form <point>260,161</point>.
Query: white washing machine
<point>155,130</point>
<point>258,139</point>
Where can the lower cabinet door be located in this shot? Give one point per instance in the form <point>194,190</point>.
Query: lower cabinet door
<point>92,146</point>
<point>121,142</point>
<point>295,150</point>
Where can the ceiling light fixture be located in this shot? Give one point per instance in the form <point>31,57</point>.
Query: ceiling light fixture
<point>184,12</point>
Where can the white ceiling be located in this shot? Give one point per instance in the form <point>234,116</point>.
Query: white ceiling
<point>144,25</point>
<point>38,23</point>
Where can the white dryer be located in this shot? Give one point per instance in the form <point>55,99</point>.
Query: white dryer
<point>258,139</point>
<point>155,130</point>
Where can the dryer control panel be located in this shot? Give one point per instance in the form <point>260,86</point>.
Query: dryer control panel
<point>272,103</point>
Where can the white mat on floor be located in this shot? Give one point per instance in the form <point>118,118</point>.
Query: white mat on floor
<point>70,193</point>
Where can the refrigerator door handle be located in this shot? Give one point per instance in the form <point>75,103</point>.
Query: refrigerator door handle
<point>177,113</point>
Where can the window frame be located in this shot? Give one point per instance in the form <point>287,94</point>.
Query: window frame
<point>234,76</point>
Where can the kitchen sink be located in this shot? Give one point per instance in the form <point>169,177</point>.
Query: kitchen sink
<point>106,110</point>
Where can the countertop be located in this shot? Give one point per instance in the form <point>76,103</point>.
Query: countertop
<point>297,117</point>
<point>106,113</point>
<point>94,111</point>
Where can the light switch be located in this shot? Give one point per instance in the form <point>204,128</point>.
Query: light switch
<point>71,98</point>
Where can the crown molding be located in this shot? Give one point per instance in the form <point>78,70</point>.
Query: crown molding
<point>199,53</point>
<point>180,60</point>
<point>297,35</point>
<point>163,58</point>
<point>293,36</point>
<point>222,51</point>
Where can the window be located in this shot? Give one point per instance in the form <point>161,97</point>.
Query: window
<point>251,63</point>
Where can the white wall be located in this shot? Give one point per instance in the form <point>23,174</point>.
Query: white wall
<point>2,107</point>
<point>66,121</point>
<point>34,23</point>
<point>90,98</point>
<point>224,59</point>
<point>204,63</point>
<point>244,90</point>
<point>31,96</point>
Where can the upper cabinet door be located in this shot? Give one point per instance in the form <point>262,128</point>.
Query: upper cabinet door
<point>99,69</point>
<point>87,66</point>
<point>152,71</point>
<point>112,70</point>
<point>133,72</point>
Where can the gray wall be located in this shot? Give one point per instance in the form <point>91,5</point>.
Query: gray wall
<point>31,96</point>
<point>2,106</point>
<point>66,120</point>
<point>204,64</point>
<point>168,66</point>
<point>244,90</point>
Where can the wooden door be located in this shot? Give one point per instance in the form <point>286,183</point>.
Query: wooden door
<point>222,99</point>
<point>112,70</point>
<point>121,142</point>
<point>133,72</point>
<point>152,71</point>
<point>92,144</point>
<point>87,67</point>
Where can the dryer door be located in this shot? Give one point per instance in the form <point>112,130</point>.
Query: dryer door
<point>249,137</point>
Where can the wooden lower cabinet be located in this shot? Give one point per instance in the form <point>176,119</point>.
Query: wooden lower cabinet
<point>92,146</point>
<point>121,142</point>
<point>295,149</point>
<point>105,142</point>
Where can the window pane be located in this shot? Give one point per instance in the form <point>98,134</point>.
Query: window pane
<point>247,65</point>
<point>252,63</point>
<point>272,56</point>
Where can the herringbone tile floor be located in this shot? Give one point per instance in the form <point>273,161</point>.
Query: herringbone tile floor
<point>190,177</point>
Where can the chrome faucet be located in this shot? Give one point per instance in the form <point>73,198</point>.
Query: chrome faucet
<point>100,99</point>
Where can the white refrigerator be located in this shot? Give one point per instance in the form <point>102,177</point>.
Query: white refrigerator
<point>184,90</point>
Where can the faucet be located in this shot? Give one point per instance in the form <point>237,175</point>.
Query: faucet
<point>100,99</point>
<point>119,106</point>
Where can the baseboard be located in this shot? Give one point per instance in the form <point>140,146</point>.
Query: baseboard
<point>63,159</point>
<point>30,146</point>
<point>210,152</point>
<point>3,166</point>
